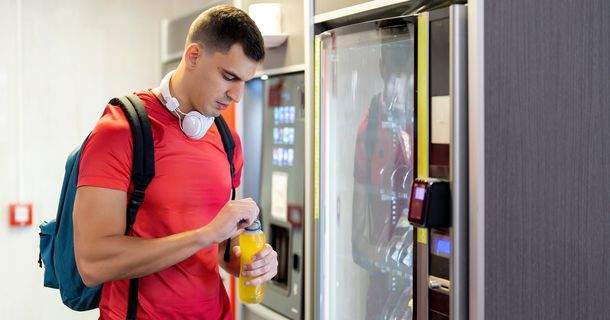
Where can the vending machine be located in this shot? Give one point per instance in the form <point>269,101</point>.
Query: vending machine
<point>274,145</point>
<point>390,167</point>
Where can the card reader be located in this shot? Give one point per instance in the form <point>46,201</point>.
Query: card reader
<point>430,205</point>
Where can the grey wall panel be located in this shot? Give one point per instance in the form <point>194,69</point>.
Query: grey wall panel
<point>292,52</point>
<point>547,142</point>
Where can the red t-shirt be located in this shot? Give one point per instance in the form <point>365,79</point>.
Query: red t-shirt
<point>389,159</point>
<point>191,184</point>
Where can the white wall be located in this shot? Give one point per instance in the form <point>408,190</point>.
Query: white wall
<point>71,56</point>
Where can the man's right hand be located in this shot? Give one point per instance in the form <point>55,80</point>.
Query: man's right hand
<point>103,252</point>
<point>232,218</point>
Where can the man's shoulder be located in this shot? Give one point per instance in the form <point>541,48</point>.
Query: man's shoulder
<point>113,118</point>
<point>148,97</point>
<point>112,127</point>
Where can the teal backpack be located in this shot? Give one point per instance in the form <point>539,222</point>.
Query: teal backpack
<point>56,236</point>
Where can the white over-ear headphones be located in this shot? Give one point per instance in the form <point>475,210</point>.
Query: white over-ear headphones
<point>194,125</point>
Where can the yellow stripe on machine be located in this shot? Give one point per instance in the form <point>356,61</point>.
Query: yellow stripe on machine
<point>423,79</point>
<point>316,128</point>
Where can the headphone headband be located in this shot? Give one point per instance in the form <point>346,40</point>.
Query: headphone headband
<point>194,124</point>
<point>171,103</point>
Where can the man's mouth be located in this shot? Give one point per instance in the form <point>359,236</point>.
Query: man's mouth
<point>222,106</point>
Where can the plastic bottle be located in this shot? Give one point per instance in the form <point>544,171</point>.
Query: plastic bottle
<point>251,241</point>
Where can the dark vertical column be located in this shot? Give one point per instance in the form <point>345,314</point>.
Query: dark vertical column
<point>547,159</point>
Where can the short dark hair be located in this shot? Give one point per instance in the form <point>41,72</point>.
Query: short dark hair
<point>220,27</point>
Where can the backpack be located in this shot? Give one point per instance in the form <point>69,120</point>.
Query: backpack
<point>56,236</point>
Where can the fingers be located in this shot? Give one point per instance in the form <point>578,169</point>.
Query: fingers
<point>264,252</point>
<point>246,210</point>
<point>263,268</point>
<point>272,271</point>
<point>250,208</point>
<point>245,203</point>
<point>265,256</point>
<point>240,214</point>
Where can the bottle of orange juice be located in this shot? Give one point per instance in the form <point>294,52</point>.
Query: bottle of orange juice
<point>251,241</point>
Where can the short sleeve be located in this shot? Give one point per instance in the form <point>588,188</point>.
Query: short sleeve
<point>106,158</point>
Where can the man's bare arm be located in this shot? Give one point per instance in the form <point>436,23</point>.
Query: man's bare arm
<point>104,253</point>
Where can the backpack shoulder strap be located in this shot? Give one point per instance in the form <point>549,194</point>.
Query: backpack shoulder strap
<point>229,145</point>
<point>142,172</point>
<point>143,165</point>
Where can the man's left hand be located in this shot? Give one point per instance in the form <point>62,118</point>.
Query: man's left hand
<point>263,267</point>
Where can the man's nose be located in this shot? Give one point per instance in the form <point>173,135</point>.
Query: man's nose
<point>235,91</point>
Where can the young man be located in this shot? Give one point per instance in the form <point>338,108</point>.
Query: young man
<point>178,239</point>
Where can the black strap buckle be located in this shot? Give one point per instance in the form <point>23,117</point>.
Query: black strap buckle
<point>135,201</point>
<point>137,197</point>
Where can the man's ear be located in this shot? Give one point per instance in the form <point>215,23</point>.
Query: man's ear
<point>191,55</point>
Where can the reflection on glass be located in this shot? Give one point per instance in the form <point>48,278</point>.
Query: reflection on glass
<point>276,116</point>
<point>292,115</point>
<point>283,157</point>
<point>367,157</point>
<point>276,135</point>
<point>290,157</point>
<point>284,115</point>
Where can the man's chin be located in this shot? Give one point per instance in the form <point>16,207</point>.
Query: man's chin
<point>211,113</point>
<point>215,113</point>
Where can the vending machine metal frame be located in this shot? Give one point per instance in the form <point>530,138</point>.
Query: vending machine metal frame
<point>457,284</point>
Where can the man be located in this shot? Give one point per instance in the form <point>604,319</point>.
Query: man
<point>178,239</point>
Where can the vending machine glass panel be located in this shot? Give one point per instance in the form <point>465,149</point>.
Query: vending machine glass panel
<point>366,170</point>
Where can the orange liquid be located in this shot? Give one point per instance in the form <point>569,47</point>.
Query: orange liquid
<point>250,243</point>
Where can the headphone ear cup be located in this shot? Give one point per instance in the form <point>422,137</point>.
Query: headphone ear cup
<point>191,125</point>
<point>195,125</point>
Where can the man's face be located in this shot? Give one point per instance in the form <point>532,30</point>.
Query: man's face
<point>218,79</point>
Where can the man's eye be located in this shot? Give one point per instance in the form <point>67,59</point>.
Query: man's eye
<point>228,77</point>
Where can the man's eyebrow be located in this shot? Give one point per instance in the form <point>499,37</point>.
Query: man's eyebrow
<point>230,73</point>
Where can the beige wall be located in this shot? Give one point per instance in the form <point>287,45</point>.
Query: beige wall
<point>71,56</point>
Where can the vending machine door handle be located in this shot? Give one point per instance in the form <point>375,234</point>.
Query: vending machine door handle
<point>296,262</point>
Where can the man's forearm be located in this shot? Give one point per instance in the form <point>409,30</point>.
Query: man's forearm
<point>123,257</point>
<point>104,253</point>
